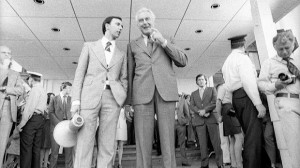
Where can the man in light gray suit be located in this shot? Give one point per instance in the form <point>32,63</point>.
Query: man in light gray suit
<point>152,88</point>
<point>99,91</point>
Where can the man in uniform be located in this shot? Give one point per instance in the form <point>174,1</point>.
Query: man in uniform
<point>240,79</point>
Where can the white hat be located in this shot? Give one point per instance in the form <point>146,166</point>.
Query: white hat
<point>65,132</point>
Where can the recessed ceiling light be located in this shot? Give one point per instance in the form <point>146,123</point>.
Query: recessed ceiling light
<point>74,62</point>
<point>215,6</point>
<point>199,31</point>
<point>55,29</point>
<point>187,49</point>
<point>40,2</point>
<point>66,49</point>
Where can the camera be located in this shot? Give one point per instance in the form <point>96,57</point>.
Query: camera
<point>284,77</point>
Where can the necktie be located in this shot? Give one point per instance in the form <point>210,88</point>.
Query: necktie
<point>65,107</point>
<point>149,45</point>
<point>292,68</point>
<point>107,48</point>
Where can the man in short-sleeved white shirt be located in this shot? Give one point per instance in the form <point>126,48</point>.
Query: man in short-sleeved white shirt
<point>240,79</point>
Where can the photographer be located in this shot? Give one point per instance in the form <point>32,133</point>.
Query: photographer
<point>280,76</point>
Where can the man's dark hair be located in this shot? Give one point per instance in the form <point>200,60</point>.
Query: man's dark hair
<point>198,76</point>
<point>107,21</point>
<point>35,77</point>
<point>49,97</point>
<point>64,85</point>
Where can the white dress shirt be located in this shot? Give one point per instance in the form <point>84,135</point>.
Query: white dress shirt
<point>239,72</point>
<point>224,95</point>
<point>269,75</point>
<point>201,91</point>
<point>108,55</point>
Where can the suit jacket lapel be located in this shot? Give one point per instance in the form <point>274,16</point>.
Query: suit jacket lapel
<point>141,43</point>
<point>205,92</point>
<point>99,52</point>
<point>115,57</point>
<point>198,95</point>
<point>69,107</point>
<point>59,101</point>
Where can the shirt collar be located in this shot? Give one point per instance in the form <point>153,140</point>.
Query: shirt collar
<point>278,58</point>
<point>238,51</point>
<point>62,95</point>
<point>203,88</point>
<point>104,40</point>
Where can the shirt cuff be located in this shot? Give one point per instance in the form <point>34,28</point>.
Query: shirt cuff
<point>76,103</point>
<point>165,43</point>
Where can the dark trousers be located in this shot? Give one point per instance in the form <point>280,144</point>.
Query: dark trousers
<point>180,133</point>
<point>130,133</point>
<point>30,142</point>
<point>252,126</point>
<point>214,135</point>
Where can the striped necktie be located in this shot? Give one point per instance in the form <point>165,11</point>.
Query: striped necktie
<point>292,68</point>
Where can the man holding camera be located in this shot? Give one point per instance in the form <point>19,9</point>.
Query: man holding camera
<point>280,76</point>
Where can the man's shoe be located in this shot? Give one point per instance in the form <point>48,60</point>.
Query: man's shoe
<point>204,166</point>
<point>186,164</point>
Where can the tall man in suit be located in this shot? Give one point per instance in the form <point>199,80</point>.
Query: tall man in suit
<point>153,89</point>
<point>59,110</point>
<point>10,88</point>
<point>182,118</point>
<point>203,102</point>
<point>99,90</point>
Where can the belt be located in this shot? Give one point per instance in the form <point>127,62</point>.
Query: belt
<point>107,87</point>
<point>7,98</point>
<point>288,95</point>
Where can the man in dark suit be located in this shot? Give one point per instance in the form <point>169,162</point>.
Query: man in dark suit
<point>59,110</point>
<point>182,118</point>
<point>10,88</point>
<point>203,102</point>
<point>99,91</point>
<point>153,89</point>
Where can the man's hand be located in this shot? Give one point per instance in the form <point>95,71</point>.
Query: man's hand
<point>19,129</point>
<point>129,113</point>
<point>220,119</point>
<point>201,112</point>
<point>74,109</point>
<point>157,36</point>
<point>206,114</point>
<point>261,110</point>
<point>279,84</point>
<point>16,133</point>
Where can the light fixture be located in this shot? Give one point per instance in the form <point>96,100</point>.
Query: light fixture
<point>75,63</point>
<point>199,31</point>
<point>187,49</point>
<point>55,29</point>
<point>215,6</point>
<point>66,49</point>
<point>40,2</point>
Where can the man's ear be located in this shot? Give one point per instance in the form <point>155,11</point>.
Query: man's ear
<point>296,45</point>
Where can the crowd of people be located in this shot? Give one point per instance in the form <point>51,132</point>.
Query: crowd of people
<point>237,116</point>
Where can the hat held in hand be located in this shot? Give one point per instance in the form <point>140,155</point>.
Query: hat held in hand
<point>65,132</point>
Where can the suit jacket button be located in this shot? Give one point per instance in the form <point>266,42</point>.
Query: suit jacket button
<point>103,81</point>
<point>107,70</point>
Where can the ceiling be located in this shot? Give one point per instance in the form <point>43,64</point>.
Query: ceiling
<point>26,29</point>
